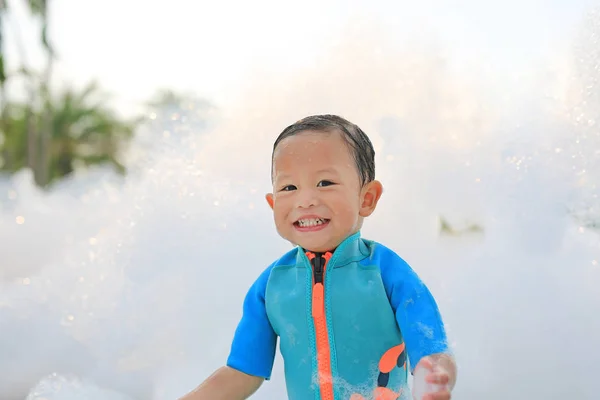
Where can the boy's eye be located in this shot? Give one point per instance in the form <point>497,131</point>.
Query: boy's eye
<point>325,183</point>
<point>288,188</point>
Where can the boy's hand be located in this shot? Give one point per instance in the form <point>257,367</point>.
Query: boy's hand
<point>439,378</point>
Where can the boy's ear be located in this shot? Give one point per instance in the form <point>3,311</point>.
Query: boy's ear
<point>371,194</point>
<point>270,200</point>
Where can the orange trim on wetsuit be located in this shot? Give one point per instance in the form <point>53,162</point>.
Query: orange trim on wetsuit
<point>394,357</point>
<point>320,321</point>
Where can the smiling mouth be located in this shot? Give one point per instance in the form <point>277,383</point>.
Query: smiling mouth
<point>311,222</point>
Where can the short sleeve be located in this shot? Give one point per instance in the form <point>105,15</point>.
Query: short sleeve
<point>415,308</point>
<point>254,342</point>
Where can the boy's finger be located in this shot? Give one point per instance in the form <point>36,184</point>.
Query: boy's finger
<point>440,378</point>
<point>443,395</point>
<point>426,363</point>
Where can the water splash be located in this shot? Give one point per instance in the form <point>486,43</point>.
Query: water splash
<point>70,388</point>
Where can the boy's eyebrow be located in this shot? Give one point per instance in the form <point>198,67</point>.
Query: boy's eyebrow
<point>329,170</point>
<point>284,176</point>
<point>281,176</point>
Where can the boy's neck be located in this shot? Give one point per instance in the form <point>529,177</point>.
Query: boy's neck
<point>326,251</point>
<point>318,252</point>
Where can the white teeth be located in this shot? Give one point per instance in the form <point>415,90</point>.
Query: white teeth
<point>311,222</point>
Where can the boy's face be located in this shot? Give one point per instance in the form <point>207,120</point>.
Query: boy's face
<point>317,198</point>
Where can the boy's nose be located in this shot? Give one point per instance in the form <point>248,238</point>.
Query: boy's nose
<point>307,199</point>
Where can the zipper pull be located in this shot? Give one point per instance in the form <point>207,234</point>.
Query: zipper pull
<point>318,268</point>
<point>318,294</point>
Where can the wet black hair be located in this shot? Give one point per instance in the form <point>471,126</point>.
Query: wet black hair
<point>358,142</point>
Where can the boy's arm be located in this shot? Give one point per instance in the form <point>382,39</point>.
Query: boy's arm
<point>417,315</point>
<point>252,353</point>
<point>226,384</point>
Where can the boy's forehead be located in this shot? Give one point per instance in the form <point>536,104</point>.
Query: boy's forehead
<point>314,151</point>
<point>309,144</point>
<point>313,158</point>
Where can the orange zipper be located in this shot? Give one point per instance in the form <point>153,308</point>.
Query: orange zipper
<point>320,322</point>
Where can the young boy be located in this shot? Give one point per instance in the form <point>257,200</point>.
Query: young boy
<point>349,312</point>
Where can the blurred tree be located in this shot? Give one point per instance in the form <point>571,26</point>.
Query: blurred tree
<point>38,9</point>
<point>52,135</point>
<point>55,134</point>
<point>80,133</point>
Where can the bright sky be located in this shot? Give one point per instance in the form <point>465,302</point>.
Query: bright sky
<point>134,47</point>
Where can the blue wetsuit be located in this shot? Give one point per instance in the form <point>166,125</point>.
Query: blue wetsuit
<point>347,322</point>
